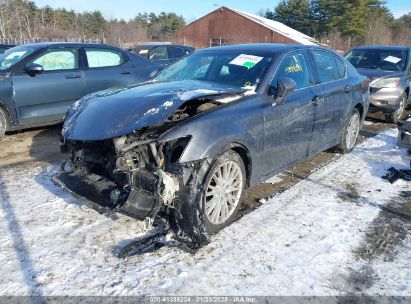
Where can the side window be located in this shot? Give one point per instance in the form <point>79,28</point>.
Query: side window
<point>326,67</point>
<point>159,53</point>
<point>297,67</point>
<point>340,67</point>
<point>100,58</point>
<point>58,59</point>
<point>175,52</point>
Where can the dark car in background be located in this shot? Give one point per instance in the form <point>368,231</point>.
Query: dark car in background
<point>5,47</point>
<point>185,145</point>
<point>389,71</point>
<point>38,82</point>
<point>164,54</point>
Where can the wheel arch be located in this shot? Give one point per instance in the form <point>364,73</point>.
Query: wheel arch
<point>360,109</point>
<point>8,114</point>
<point>246,158</point>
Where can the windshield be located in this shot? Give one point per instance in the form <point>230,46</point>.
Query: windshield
<point>225,67</point>
<point>143,51</point>
<point>389,60</point>
<point>13,56</point>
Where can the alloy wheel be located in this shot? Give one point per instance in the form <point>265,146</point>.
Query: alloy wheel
<point>353,129</point>
<point>223,192</point>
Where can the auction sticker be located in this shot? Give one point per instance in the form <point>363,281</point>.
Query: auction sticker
<point>392,59</point>
<point>247,61</point>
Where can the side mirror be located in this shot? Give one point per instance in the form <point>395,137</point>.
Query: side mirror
<point>34,68</point>
<point>284,87</point>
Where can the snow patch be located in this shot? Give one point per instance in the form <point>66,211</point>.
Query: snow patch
<point>152,111</point>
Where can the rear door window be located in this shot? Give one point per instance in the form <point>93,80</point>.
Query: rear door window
<point>100,58</point>
<point>159,53</point>
<point>326,66</point>
<point>58,59</point>
<point>340,67</point>
<point>297,67</point>
<point>175,52</point>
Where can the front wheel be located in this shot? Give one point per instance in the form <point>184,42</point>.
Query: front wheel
<point>350,133</point>
<point>3,123</point>
<point>216,193</point>
<point>223,191</point>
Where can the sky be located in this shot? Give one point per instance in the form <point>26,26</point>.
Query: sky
<point>189,9</point>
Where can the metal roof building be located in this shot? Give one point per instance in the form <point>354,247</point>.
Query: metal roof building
<point>229,26</point>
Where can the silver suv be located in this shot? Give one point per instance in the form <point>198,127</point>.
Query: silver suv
<point>389,71</point>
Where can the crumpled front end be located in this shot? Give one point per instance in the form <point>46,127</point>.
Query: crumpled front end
<point>131,174</point>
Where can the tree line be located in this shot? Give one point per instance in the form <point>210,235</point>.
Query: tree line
<point>24,19</point>
<point>343,24</point>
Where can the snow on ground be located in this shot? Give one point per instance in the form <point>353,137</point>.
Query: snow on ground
<point>311,239</point>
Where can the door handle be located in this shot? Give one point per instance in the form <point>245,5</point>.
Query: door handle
<point>125,73</point>
<point>316,100</point>
<point>347,89</point>
<point>73,76</point>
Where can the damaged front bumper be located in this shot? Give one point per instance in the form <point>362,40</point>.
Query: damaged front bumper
<point>103,195</point>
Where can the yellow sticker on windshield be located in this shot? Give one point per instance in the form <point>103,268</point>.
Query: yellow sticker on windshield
<point>294,69</point>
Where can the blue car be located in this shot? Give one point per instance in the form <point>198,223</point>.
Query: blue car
<point>38,82</point>
<point>184,146</point>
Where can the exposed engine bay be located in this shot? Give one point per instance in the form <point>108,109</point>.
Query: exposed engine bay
<point>135,175</point>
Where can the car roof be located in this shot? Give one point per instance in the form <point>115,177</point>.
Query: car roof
<point>151,46</point>
<point>269,47</point>
<point>383,47</point>
<point>40,45</point>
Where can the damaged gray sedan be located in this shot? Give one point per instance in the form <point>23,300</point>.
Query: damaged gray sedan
<point>184,146</point>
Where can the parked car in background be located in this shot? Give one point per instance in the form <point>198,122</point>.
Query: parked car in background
<point>389,71</point>
<point>38,82</point>
<point>5,47</point>
<point>162,53</point>
<point>187,144</point>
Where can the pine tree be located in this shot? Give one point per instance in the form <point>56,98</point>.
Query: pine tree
<point>295,14</point>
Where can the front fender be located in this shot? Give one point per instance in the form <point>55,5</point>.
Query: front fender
<point>208,139</point>
<point>211,133</point>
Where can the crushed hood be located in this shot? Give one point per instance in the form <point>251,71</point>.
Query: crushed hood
<point>117,112</point>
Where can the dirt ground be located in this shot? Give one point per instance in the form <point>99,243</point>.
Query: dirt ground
<point>42,145</point>
<point>384,237</point>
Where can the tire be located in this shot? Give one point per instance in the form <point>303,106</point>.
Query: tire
<point>192,223</point>
<point>216,193</point>
<point>350,132</point>
<point>395,116</point>
<point>3,123</point>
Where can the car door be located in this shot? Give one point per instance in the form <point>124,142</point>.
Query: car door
<point>107,68</point>
<point>289,126</point>
<point>336,92</point>
<point>45,97</point>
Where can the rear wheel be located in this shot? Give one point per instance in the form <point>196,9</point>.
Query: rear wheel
<point>3,122</point>
<point>395,116</point>
<point>350,132</point>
